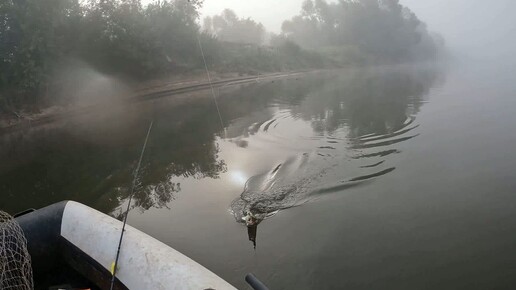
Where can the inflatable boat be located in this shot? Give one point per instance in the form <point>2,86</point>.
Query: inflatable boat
<point>72,238</point>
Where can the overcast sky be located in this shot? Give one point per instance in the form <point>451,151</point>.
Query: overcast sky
<point>271,13</point>
<point>486,28</point>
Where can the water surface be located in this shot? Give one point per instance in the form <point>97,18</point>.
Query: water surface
<point>375,178</point>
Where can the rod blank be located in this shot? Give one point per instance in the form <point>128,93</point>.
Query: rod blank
<point>255,283</point>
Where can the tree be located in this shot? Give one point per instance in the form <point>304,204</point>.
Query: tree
<point>228,27</point>
<point>116,37</point>
<point>383,29</point>
<point>34,34</point>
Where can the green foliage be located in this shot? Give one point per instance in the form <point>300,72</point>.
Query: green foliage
<point>33,34</point>
<point>252,59</point>
<point>117,37</point>
<point>41,39</point>
<point>368,31</point>
<point>228,27</point>
<point>121,37</point>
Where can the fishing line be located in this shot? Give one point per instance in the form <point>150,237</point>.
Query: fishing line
<point>211,86</point>
<point>133,187</point>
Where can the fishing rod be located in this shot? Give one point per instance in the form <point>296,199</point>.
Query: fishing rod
<point>133,187</point>
<point>252,280</point>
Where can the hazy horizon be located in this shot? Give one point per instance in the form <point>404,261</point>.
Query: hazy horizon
<point>466,25</point>
<point>352,149</point>
<point>471,25</point>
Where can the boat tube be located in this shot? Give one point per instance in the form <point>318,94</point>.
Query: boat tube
<point>84,239</point>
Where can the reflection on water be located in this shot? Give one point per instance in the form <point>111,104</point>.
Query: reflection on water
<point>91,159</point>
<point>335,130</point>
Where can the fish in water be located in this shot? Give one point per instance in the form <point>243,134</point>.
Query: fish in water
<point>265,194</point>
<point>302,178</point>
<point>251,222</point>
<point>287,185</point>
<point>294,182</point>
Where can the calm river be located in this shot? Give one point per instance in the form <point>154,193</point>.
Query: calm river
<point>380,178</point>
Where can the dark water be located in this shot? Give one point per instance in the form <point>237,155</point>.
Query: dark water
<point>380,178</point>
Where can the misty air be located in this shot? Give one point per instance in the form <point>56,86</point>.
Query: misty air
<point>257,144</point>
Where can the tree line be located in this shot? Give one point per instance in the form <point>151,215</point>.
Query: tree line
<point>123,38</point>
<point>372,31</point>
<point>120,37</point>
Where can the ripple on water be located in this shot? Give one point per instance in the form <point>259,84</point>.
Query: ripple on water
<point>308,176</point>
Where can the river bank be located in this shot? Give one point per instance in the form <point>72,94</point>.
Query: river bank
<point>149,90</point>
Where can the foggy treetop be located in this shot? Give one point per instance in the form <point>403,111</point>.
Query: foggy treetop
<point>41,39</point>
<point>383,28</point>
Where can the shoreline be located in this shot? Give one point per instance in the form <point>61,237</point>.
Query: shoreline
<point>164,88</point>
